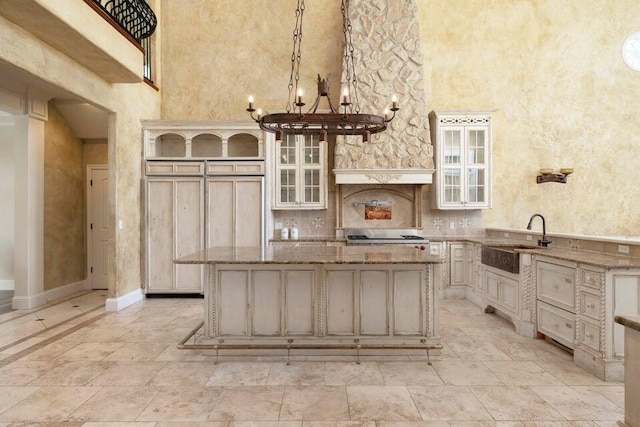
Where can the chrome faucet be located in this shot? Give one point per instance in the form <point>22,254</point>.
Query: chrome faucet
<point>543,242</point>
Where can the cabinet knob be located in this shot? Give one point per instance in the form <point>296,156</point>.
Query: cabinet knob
<point>569,325</point>
<point>589,336</point>
<point>555,286</point>
<point>590,305</point>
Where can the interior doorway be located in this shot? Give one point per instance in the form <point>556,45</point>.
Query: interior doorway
<point>97,226</point>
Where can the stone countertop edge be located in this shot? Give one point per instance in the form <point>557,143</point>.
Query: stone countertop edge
<point>378,254</point>
<point>596,259</point>
<point>632,322</point>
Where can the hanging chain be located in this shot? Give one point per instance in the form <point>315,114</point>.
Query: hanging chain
<point>296,55</point>
<point>352,81</point>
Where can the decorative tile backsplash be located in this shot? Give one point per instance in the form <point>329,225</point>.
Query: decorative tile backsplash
<point>322,223</point>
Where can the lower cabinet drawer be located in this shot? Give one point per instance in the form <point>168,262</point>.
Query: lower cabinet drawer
<point>557,324</point>
<point>590,305</point>
<point>589,335</point>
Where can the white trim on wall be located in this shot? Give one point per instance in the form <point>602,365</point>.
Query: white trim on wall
<point>32,301</point>
<point>123,301</point>
<point>7,285</point>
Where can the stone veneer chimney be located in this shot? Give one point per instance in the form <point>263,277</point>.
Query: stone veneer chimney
<point>388,60</point>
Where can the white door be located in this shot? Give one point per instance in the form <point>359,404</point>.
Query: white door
<point>98,224</point>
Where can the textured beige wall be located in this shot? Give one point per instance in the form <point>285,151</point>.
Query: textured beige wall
<point>95,152</point>
<point>563,97</point>
<point>215,54</point>
<point>128,104</point>
<point>64,225</point>
<point>551,69</point>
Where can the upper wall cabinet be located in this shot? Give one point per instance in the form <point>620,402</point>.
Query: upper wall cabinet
<point>300,173</point>
<point>463,159</point>
<point>202,140</point>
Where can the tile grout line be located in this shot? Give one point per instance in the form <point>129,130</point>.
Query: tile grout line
<point>45,306</point>
<point>47,329</point>
<point>27,351</point>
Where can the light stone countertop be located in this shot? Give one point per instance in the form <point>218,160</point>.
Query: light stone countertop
<point>364,254</point>
<point>632,322</point>
<point>597,259</point>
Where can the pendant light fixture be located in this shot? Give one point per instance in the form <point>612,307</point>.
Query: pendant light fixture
<point>344,120</point>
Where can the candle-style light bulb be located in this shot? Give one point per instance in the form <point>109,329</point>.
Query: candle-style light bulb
<point>394,102</point>
<point>250,102</point>
<point>259,113</point>
<point>345,96</point>
<point>299,95</point>
<point>386,114</point>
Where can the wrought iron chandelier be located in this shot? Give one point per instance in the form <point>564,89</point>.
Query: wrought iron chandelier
<point>347,120</point>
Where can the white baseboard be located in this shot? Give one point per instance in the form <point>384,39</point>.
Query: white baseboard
<point>7,285</point>
<point>27,303</point>
<point>123,301</point>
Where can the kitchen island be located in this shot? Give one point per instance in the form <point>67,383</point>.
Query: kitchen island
<point>320,297</point>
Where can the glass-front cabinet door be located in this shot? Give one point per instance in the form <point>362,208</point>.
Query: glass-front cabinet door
<point>301,176</point>
<point>463,149</point>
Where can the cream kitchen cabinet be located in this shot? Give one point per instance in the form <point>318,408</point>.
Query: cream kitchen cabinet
<point>235,210</point>
<point>380,300</point>
<point>300,180</point>
<point>458,271</point>
<point>476,274</point>
<point>174,228</point>
<point>556,294</point>
<point>576,304</point>
<point>502,290</point>
<point>463,160</point>
<point>204,187</point>
<point>266,301</point>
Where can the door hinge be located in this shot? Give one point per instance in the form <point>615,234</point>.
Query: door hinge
<point>92,269</point>
<point>91,182</point>
<point>91,226</point>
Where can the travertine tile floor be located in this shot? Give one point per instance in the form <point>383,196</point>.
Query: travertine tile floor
<point>73,364</point>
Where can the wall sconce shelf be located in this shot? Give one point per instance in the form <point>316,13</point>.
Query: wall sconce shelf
<point>547,175</point>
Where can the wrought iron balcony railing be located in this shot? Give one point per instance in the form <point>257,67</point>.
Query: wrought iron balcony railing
<point>135,17</point>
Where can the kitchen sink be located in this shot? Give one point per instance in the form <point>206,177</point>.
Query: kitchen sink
<point>503,257</point>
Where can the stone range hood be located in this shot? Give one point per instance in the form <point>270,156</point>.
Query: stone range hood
<point>387,35</point>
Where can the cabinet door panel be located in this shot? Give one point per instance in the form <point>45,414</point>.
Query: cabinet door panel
<point>234,211</point>
<point>340,302</point>
<point>266,302</point>
<point>248,212</point>
<point>463,160</point>
<point>493,284</point>
<point>458,264</point>
<point>233,302</point>
<point>509,294</point>
<point>299,302</point>
<point>160,243</point>
<point>374,291</point>
<point>556,285</point>
<point>557,324</point>
<point>189,231</point>
<point>220,202</point>
<point>407,303</point>
<point>626,303</point>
